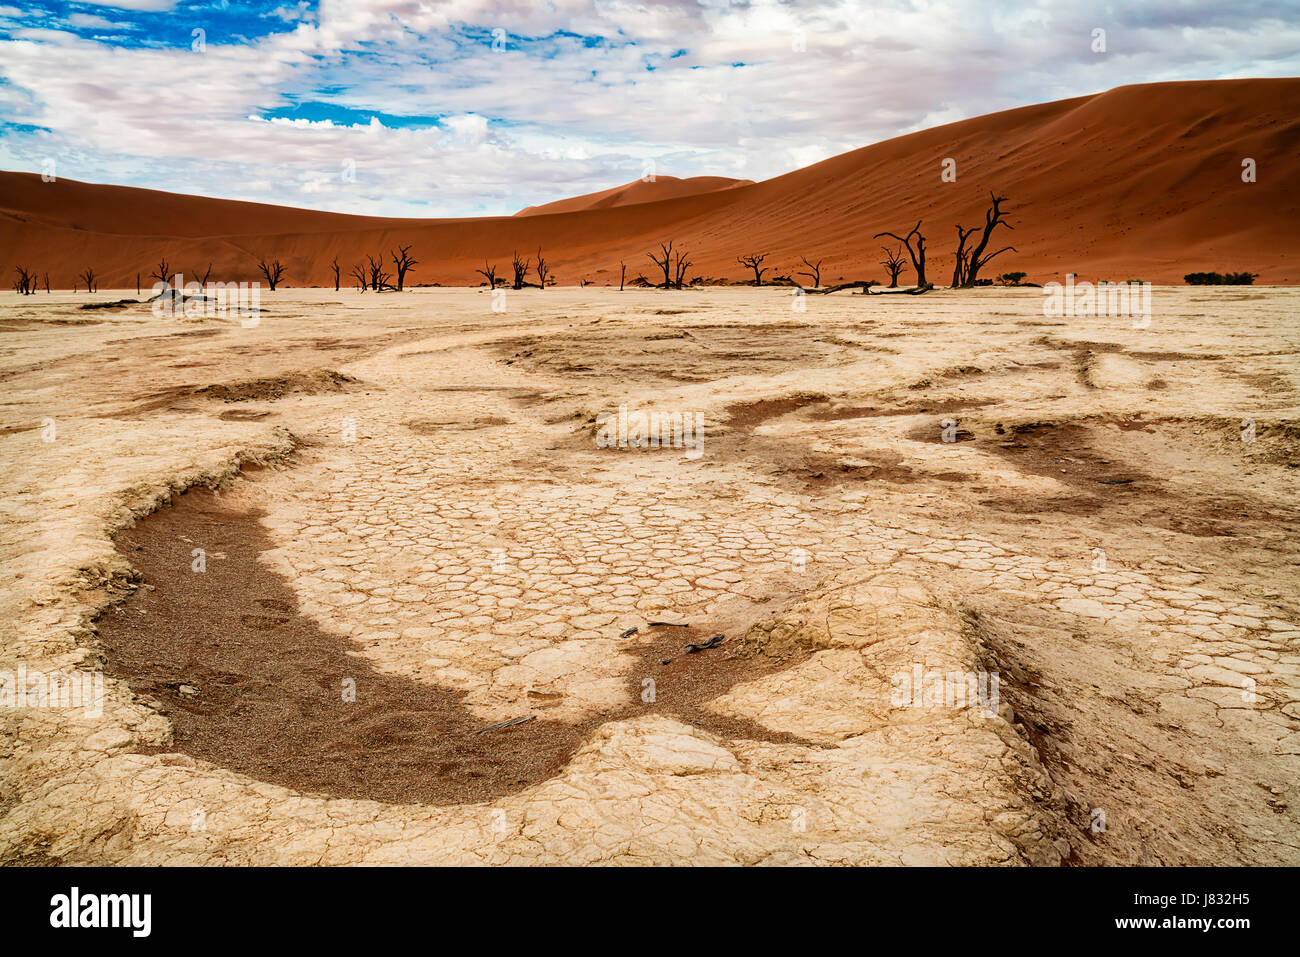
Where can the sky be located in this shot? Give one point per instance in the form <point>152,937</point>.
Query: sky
<point>467,108</point>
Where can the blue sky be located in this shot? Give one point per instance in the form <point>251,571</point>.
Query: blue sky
<point>461,107</point>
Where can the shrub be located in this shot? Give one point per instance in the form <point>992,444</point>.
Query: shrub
<point>1220,279</point>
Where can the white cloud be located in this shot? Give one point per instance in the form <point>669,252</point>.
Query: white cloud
<point>92,21</point>
<point>141,5</point>
<point>543,119</point>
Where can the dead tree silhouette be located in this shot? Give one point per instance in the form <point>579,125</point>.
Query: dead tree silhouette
<point>489,273</point>
<point>917,252</point>
<point>814,273</point>
<point>403,263</point>
<point>753,261</point>
<point>273,272</point>
<point>978,259</point>
<point>894,262</point>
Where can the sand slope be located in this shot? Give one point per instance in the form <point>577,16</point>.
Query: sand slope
<point>1137,182</point>
<point>636,192</point>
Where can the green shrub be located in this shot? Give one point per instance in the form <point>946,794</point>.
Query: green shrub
<point>1220,279</point>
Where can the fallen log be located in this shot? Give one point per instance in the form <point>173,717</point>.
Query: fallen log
<point>864,284</point>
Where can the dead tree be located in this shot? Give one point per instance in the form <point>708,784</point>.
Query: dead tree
<point>359,274</point>
<point>489,273</point>
<point>814,273</point>
<point>47,284</point>
<point>520,266</point>
<point>993,218</point>
<point>917,252</point>
<point>87,275</point>
<point>378,278</point>
<point>402,262</point>
<point>334,267</point>
<point>272,271</point>
<point>894,262</point>
<point>622,274</point>
<point>863,284</point>
<point>663,261</point>
<point>962,265</point>
<point>542,274</point>
<point>25,284</point>
<point>752,261</point>
<point>163,271</point>
<point>680,265</point>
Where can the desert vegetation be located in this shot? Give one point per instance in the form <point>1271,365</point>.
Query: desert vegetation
<point>402,263</point>
<point>673,262</point>
<point>272,272</point>
<point>163,271</point>
<point>914,242</point>
<point>754,261</point>
<point>543,275</point>
<point>489,272</point>
<point>377,274</point>
<point>1220,279</point>
<point>813,272</point>
<point>969,263</point>
<point>25,283</point>
<point>893,263</point>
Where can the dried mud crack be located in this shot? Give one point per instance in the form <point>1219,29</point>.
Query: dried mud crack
<point>453,541</point>
<point>251,684</point>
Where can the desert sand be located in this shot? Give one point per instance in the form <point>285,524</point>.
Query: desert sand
<point>406,495</point>
<point>1140,182</point>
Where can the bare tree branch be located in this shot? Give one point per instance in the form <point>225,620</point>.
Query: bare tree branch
<point>273,272</point>
<point>666,252</point>
<point>489,273</point>
<point>752,261</point>
<point>993,218</point>
<point>815,273</point>
<point>893,262</point>
<point>917,252</point>
<point>403,263</point>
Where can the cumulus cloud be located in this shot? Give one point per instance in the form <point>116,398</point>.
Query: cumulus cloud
<point>466,107</point>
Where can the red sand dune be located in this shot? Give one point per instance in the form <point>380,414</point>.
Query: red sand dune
<point>1141,182</point>
<point>639,191</point>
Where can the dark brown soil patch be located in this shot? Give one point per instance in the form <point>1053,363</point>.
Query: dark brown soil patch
<point>270,388</point>
<point>264,685</point>
<point>310,382</point>
<point>941,407</point>
<point>1176,356</point>
<point>434,427</point>
<point>1067,452</point>
<point>243,415</point>
<point>747,416</point>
